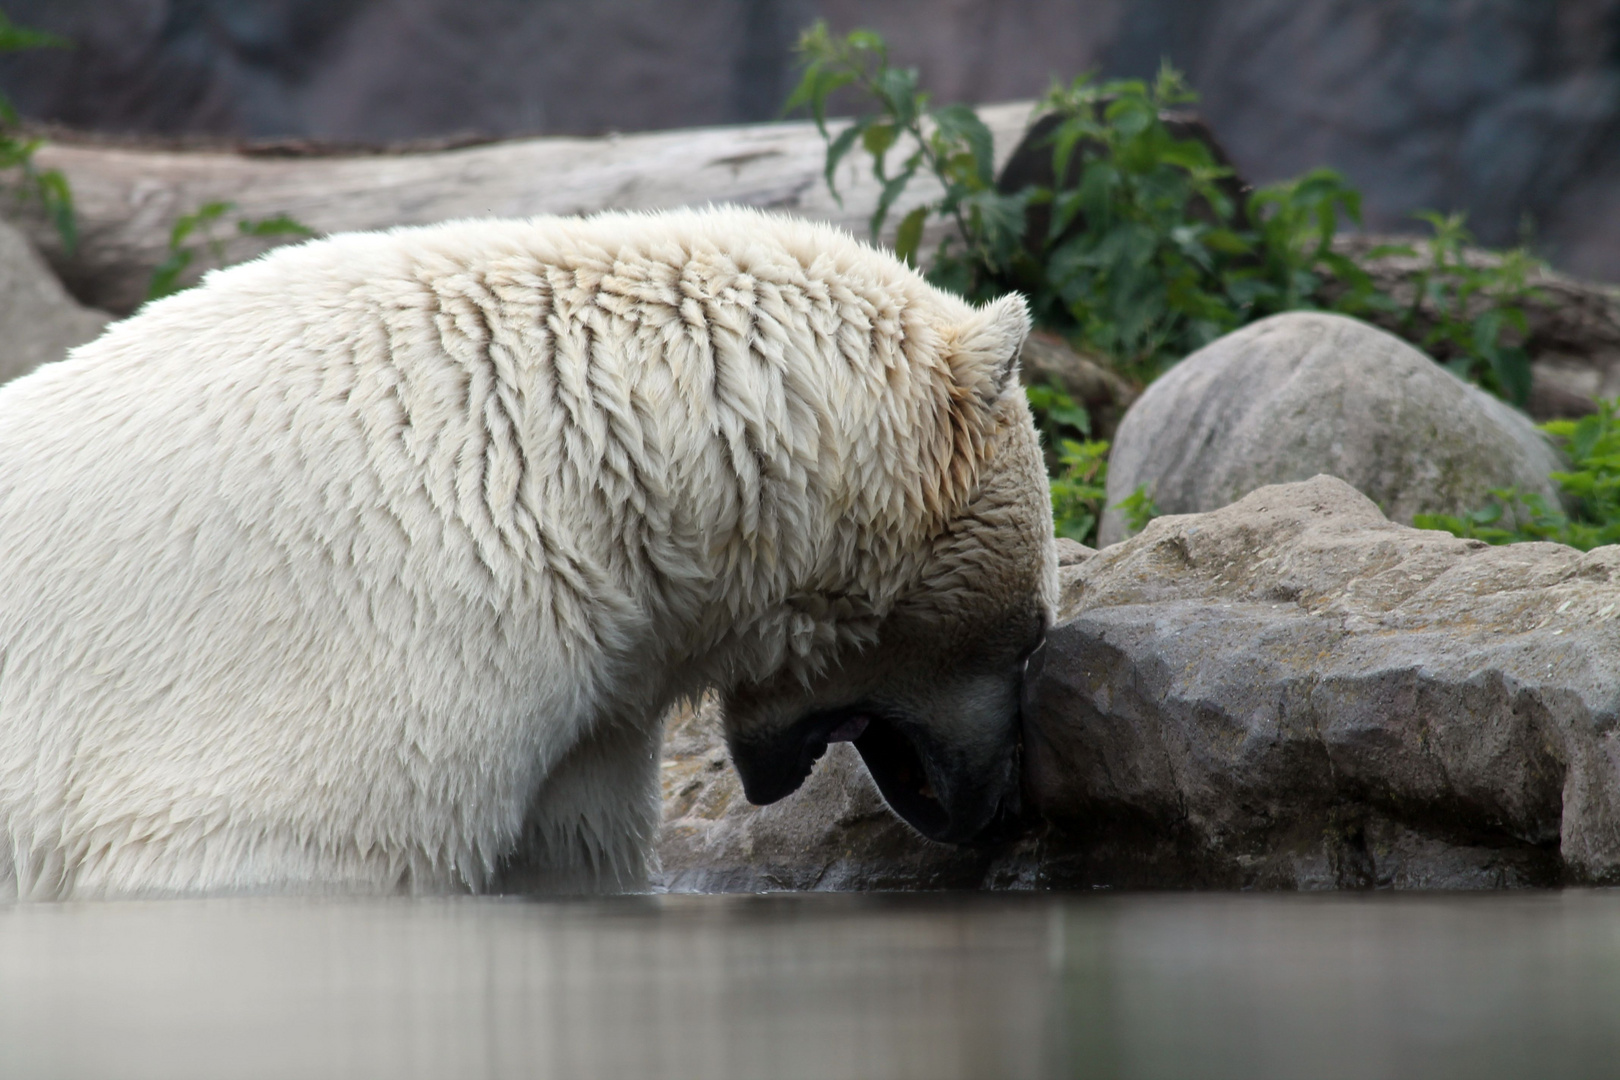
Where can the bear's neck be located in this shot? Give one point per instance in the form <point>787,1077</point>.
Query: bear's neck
<point>746,544</point>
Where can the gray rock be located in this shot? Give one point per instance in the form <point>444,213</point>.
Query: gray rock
<point>39,321</point>
<point>1295,692</point>
<point>834,833</point>
<point>1289,693</point>
<point>1072,552</point>
<point>1305,393</point>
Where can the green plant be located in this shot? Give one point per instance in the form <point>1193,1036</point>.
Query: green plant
<point>1139,509</point>
<point>1475,308</point>
<point>950,142</point>
<point>17,148</point>
<point>1592,444</point>
<point>195,231</point>
<point>1140,250</point>
<point>1079,489</point>
<point>1145,256</point>
<point>1077,467</point>
<point>1058,414</point>
<point>1079,492</point>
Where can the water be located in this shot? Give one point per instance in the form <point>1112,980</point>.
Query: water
<point>823,986</point>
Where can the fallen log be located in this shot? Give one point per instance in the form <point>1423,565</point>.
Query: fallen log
<point>128,199</point>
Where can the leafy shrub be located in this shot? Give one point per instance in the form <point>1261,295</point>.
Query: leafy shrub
<point>951,142</point>
<point>1144,256</point>
<point>1079,488</point>
<point>1077,467</point>
<point>1592,445</point>
<point>1144,259</point>
<point>193,234</point>
<point>1139,252</point>
<point>1473,307</point>
<point>48,186</point>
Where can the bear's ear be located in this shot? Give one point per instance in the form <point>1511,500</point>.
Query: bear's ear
<point>984,355</point>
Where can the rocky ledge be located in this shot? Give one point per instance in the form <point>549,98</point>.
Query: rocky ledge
<point>1290,692</point>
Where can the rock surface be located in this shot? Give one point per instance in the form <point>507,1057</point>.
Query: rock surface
<point>128,199</point>
<point>39,321</point>
<point>834,833</point>
<point>1295,692</point>
<point>1289,693</point>
<point>1304,393</point>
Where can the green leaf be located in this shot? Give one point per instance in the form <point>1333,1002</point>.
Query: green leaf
<point>892,191</point>
<point>57,198</point>
<point>868,41</point>
<point>275,225</point>
<point>1064,140</point>
<point>836,149</point>
<point>878,137</point>
<point>960,123</point>
<point>1139,509</point>
<point>166,277</point>
<point>14,38</point>
<point>1227,242</point>
<point>897,88</point>
<point>909,235</point>
<point>202,217</point>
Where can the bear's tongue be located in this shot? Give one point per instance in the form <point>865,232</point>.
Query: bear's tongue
<point>849,730</point>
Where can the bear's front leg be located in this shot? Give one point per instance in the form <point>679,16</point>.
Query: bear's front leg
<point>593,823</point>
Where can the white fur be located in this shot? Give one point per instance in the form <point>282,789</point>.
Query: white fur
<point>373,565</point>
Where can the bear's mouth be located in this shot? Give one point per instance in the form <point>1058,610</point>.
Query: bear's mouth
<point>893,757</point>
<point>901,774</point>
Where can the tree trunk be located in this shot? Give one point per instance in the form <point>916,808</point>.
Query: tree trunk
<point>129,199</point>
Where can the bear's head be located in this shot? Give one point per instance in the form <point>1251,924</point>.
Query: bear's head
<point>932,701</point>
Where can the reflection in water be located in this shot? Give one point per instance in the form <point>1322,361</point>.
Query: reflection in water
<point>816,986</point>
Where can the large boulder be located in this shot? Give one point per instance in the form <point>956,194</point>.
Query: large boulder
<point>39,321</point>
<point>1288,693</point>
<point>1295,692</point>
<point>1304,393</point>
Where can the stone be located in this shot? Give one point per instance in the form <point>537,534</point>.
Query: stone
<point>1303,393</point>
<point>1295,692</point>
<point>772,166</point>
<point>1289,693</point>
<point>834,834</point>
<point>39,321</point>
<point>1072,552</point>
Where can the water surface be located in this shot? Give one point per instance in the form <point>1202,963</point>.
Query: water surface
<point>817,986</point>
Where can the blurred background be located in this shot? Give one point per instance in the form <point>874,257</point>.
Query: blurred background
<point>1508,110</point>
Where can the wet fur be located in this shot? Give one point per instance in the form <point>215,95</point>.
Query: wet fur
<point>372,566</point>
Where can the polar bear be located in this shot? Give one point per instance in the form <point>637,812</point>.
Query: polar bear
<point>374,564</point>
